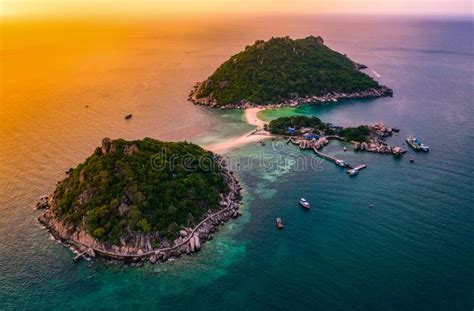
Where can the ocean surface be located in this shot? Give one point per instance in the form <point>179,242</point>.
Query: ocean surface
<point>72,84</point>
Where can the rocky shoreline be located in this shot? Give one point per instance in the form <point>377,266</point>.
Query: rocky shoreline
<point>376,143</point>
<point>138,248</point>
<point>210,101</point>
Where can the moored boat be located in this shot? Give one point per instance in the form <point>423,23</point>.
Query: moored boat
<point>413,143</point>
<point>279,223</point>
<point>304,203</point>
<point>353,172</point>
<point>424,147</point>
<point>341,163</point>
<point>416,145</point>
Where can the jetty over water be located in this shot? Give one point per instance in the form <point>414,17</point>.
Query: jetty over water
<point>317,144</point>
<point>330,158</point>
<point>360,167</point>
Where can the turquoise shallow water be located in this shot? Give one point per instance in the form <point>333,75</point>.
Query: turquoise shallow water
<point>413,250</point>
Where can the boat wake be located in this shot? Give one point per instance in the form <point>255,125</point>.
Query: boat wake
<point>376,73</point>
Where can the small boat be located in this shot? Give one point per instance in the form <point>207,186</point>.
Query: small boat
<point>345,149</point>
<point>413,143</point>
<point>304,203</point>
<point>371,205</point>
<point>128,116</point>
<point>341,163</point>
<point>417,145</point>
<point>279,223</point>
<point>412,160</point>
<point>353,172</point>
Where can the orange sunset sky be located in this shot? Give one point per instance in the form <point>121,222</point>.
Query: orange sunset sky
<point>10,8</point>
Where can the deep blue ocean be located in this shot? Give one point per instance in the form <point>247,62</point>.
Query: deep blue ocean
<point>414,250</point>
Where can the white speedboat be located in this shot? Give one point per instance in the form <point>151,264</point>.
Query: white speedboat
<point>353,172</point>
<point>304,203</point>
<point>279,223</point>
<point>424,147</point>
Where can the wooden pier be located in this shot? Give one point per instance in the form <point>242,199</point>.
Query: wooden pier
<point>360,167</point>
<point>309,144</point>
<point>330,158</point>
<point>304,144</point>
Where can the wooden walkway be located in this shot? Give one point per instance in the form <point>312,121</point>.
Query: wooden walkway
<point>323,155</point>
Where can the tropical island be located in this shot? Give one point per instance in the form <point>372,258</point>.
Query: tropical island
<point>142,200</point>
<point>311,132</point>
<point>298,125</point>
<point>152,200</point>
<point>313,126</point>
<point>283,71</point>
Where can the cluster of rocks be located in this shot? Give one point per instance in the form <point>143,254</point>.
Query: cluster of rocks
<point>381,130</point>
<point>376,143</point>
<point>313,143</point>
<point>378,147</point>
<point>211,101</point>
<point>382,91</point>
<point>43,202</point>
<point>138,247</point>
<point>68,234</point>
<point>108,146</point>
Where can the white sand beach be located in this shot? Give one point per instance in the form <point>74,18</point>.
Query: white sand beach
<point>251,116</point>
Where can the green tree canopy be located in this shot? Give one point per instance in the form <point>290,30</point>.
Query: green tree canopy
<point>158,186</point>
<point>282,68</point>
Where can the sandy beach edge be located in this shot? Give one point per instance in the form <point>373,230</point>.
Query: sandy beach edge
<point>256,135</point>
